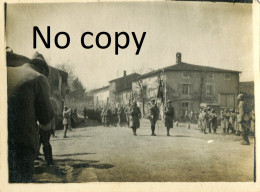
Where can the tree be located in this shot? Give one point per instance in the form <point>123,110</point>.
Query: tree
<point>76,88</point>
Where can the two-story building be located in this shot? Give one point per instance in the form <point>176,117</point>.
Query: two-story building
<point>120,89</point>
<point>101,96</point>
<point>189,86</point>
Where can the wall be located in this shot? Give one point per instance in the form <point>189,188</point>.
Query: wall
<point>101,97</point>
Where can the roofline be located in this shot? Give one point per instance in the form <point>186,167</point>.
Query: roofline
<point>98,89</point>
<point>153,73</point>
<point>123,77</point>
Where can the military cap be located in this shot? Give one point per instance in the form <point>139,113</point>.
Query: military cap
<point>169,101</point>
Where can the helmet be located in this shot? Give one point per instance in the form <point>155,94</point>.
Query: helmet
<point>240,97</point>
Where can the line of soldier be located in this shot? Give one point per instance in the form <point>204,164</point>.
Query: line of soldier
<point>240,121</point>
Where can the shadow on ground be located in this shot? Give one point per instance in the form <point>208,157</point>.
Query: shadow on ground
<point>67,170</point>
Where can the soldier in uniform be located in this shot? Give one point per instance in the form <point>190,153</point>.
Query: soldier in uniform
<point>243,119</point>
<point>127,113</point>
<point>120,114</point>
<point>135,115</point>
<point>214,121</point>
<point>66,120</point>
<point>103,116</point>
<point>107,115</point>
<point>204,118</point>
<point>154,115</point>
<point>169,115</point>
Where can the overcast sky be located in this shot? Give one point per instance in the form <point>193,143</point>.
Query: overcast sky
<point>213,34</point>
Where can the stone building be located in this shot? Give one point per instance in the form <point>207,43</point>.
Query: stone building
<point>189,86</point>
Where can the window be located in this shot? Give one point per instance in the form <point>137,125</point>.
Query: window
<point>210,89</point>
<point>227,76</point>
<point>185,75</point>
<point>210,76</point>
<point>185,89</point>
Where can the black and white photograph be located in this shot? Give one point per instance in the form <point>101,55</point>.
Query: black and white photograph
<point>130,92</point>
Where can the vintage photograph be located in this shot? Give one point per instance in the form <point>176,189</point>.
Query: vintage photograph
<point>130,92</point>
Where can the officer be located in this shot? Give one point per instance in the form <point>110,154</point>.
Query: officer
<point>243,118</point>
<point>169,115</point>
<point>154,115</point>
<point>135,117</point>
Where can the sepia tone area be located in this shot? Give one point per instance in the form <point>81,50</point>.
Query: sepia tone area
<point>181,110</point>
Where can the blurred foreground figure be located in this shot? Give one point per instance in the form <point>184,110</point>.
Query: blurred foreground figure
<point>243,118</point>
<point>28,102</point>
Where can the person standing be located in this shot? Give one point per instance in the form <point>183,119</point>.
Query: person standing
<point>135,116</point>
<point>154,115</point>
<point>214,121</point>
<point>127,114</point>
<point>66,120</point>
<point>169,115</point>
<point>45,134</point>
<point>243,118</point>
<point>85,112</point>
<point>204,117</point>
<point>28,102</point>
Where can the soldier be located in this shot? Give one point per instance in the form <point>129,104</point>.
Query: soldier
<point>252,125</point>
<point>127,113</point>
<point>200,120</point>
<point>66,120</point>
<point>114,119</point>
<point>28,102</point>
<point>214,120</point>
<point>107,116</point>
<point>154,115</point>
<point>85,112</point>
<point>135,117</point>
<point>204,118</point>
<point>209,122</point>
<point>243,118</point>
<point>169,115</point>
<point>120,114</point>
<point>103,115</point>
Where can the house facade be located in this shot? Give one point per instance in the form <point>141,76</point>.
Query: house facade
<point>190,86</point>
<point>101,96</point>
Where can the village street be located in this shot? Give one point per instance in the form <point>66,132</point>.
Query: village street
<point>100,154</point>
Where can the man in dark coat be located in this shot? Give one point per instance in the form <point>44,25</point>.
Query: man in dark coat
<point>243,118</point>
<point>28,102</point>
<point>169,115</point>
<point>154,115</point>
<point>135,117</point>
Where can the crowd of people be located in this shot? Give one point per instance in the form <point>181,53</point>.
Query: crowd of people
<point>238,122</point>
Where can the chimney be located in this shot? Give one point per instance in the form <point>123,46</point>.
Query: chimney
<point>124,73</point>
<point>178,58</point>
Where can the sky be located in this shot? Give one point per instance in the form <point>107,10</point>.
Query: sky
<point>209,34</point>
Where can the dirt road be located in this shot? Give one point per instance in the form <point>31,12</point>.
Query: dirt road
<point>94,153</point>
